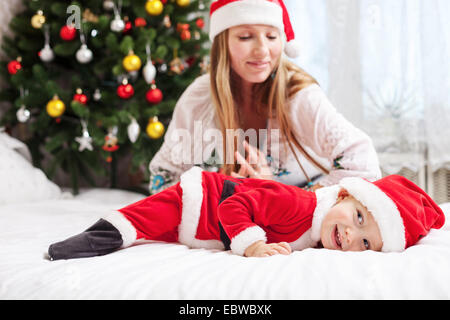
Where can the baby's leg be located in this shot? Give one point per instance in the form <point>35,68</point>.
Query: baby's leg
<point>154,218</point>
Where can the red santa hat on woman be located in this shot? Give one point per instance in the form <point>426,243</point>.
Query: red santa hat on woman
<point>230,13</point>
<point>404,212</point>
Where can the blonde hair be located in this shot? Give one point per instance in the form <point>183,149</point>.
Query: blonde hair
<point>271,95</point>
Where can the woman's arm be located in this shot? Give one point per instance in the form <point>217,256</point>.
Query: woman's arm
<point>318,125</point>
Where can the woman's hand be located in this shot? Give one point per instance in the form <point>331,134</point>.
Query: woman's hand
<point>262,249</point>
<point>255,166</point>
<point>316,187</point>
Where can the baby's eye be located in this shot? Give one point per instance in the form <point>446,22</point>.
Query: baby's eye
<point>366,244</point>
<point>244,37</point>
<point>360,218</point>
<point>272,37</point>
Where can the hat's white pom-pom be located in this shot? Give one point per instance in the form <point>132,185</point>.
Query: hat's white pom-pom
<point>292,49</point>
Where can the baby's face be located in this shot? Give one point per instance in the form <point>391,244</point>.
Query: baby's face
<point>349,226</point>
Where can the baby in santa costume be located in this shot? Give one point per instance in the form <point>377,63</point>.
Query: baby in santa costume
<point>257,218</point>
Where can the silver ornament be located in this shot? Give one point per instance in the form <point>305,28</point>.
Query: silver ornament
<point>117,25</point>
<point>84,54</point>
<point>23,114</point>
<point>133,130</point>
<point>163,68</point>
<point>149,72</point>
<point>133,75</point>
<point>85,140</point>
<point>47,54</point>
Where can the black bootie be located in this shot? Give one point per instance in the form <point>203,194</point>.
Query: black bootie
<point>100,239</point>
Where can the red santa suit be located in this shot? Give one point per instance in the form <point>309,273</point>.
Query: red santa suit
<point>214,211</point>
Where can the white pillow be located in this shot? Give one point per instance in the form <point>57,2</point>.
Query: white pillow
<point>19,181</point>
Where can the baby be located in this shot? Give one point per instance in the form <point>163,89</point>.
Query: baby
<point>258,218</point>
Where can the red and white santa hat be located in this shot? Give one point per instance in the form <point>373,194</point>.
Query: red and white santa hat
<point>225,14</point>
<point>404,212</point>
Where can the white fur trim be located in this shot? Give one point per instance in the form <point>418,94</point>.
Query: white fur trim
<point>303,242</point>
<point>126,229</point>
<point>191,184</point>
<point>246,12</point>
<point>382,208</point>
<point>326,198</point>
<point>247,237</point>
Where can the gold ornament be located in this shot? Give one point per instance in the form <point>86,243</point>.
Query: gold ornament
<point>132,62</point>
<point>154,7</point>
<point>55,107</point>
<point>177,66</point>
<point>89,16</point>
<point>155,129</point>
<point>38,20</point>
<point>183,3</point>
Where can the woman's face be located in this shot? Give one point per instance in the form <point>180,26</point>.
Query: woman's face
<point>254,51</point>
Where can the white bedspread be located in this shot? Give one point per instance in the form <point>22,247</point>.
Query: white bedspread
<point>172,271</point>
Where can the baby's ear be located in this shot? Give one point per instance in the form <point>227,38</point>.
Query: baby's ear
<point>343,194</point>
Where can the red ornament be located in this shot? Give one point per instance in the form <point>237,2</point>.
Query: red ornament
<point>80,97</point>
<point>110,144</point>
<point>14,66</point>
<point>200,23</point>
<point>190,61</point>
<point>182,26</point>
<point>125,90</point>
<point>140,22</point>
<point>68,33</point>
<point>128,27</point>
<point>154,95</point>
<point>185,35</point>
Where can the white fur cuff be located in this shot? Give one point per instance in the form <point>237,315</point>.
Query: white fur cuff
<point>246,238</point>
<point>126,229</point>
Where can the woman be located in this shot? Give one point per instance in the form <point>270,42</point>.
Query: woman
<point>252,86</point>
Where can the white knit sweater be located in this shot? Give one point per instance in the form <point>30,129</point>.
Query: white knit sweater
<point>323,132</point>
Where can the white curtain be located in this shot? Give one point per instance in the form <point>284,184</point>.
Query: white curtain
<point>385,64</point>
<point>8,9</point>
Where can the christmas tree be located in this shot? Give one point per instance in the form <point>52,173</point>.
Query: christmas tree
<point>95,81</point>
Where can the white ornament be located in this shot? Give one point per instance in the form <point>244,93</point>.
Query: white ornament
<point>85,140</point>
<point>133,130</point>
<point>23,114</point>
<point>97,95</point>
<point>47,54</point>
<point>108,5</point>
<point>149,72</point>
<point>117,25</point>
<point>84,54</point>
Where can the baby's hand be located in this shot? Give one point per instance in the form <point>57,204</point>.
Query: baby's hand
<point>262,249</point>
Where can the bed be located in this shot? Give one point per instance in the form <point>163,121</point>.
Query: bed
<point>34,213</point>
